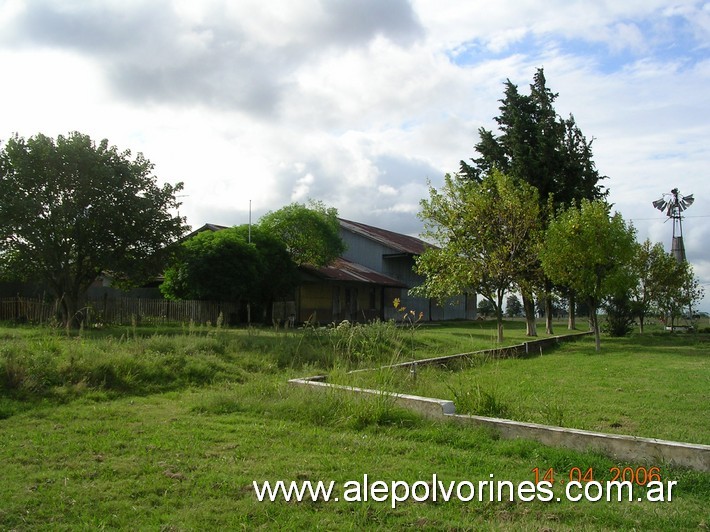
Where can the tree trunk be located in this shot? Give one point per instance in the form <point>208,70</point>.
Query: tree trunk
<point>548,308</point>
<point>594,323</point>
<point>571,323</point>
<point>499,317</point>
<point>530,321</point>
<point>269,312</point>
<point>69,308</point>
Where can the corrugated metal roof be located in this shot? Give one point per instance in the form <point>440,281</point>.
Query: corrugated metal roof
<point>397,241</point>
<point>206,227</point>
<point>344,270</point>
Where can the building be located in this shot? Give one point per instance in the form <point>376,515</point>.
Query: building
<point>376,268</point>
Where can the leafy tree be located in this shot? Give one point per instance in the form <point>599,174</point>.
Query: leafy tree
<point>538,146</point>
<point>485,308</point>
<point>664,286</point>
<point>680,295</point>
<point>311,233</point>
<point>513,306</point>
<point>215,266</point>
<point>657,273</point>
<point>619,314</point>
<point>487,231</point>
<point>72,209</point>
<point>225,266</point>
<point>589,251</point>
<point>535,145</point>
<point>278,274</point>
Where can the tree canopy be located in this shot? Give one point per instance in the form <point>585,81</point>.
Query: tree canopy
<point>488,232</point>
<point>225,266</point>
<point>588,250</point>
<point>534,144</point>
<point>71,209</point>
<point>513,306</point>
<point>655,271</point>
<point>311,232</point>
<point>213,265</point>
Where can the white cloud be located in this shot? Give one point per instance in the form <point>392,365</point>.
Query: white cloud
<point>360,105</point>
<point>302,188</point>
<point>387,190</point>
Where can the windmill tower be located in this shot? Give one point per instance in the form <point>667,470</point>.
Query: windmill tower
<point>673,204</point>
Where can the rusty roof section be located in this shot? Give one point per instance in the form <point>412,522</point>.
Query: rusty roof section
<point>344,270</point>
<point>398,242</point>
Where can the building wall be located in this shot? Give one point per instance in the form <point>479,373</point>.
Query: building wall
<point>330,302</point>
<point>314,303</point>
<point>401,267</point>
<point>364,251</point>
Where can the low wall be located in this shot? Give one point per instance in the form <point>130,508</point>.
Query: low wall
<point>533,347</point>
<point>627,448</point>
<point>426,406</point>
<point>621,447</point>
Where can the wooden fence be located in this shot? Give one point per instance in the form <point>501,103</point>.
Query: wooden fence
<point>24,309</point>
<point>122,311</point>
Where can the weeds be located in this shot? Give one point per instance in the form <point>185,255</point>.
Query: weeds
<point>60,367</point>
<point>347,344</point>
<point>118,456</point>
<point>477,401</point>
<point>552,413</point>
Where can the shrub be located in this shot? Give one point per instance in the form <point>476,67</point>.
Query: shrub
<point>619,316</point>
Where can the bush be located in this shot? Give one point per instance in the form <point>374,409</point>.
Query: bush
<point>619,316</point>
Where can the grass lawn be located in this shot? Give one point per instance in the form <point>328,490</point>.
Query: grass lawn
<point>655,385</point>
<point>166,430</point>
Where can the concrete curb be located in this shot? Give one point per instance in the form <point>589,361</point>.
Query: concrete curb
<point>622,447</point>
<point>510,351</point>
<point>426,406</point>
<point>628,448</point>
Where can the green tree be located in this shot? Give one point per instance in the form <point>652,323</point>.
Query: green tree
<point>658,274</point>
<point>487,231</point>
<point>619,314</point>
<point>619,305</point>
<point>71,209</point>
<point>215,266</point>
<point>225,266</point>
<point>485,308</point>
<point>536,145</point>
<point>679,295</point>
<point>278,274</point>
<point>513,306</point>
<point>590,251</point>
<point>311,232</point>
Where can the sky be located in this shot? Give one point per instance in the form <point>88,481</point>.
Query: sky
<point>363,104</point>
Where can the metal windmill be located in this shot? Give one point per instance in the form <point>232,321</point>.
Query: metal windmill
<point>673,204</point>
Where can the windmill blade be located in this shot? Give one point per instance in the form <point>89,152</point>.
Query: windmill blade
<point>660,204</point>
<point>686,202</point>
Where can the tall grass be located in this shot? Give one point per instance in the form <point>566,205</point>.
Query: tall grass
<point>54,365</point>
<point>650,385</point>
<point>355,344</point>
<point>44,363</point>
<point>119,456</point>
